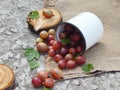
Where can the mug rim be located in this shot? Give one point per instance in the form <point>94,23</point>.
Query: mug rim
<point>84,41</point>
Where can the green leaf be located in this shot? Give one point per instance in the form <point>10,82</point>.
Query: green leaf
<point>31,54</point>
<point>37,54</point>
<point>65,41</point>
<point>34,15</point>
<point>46,88</point>
<point>87,67</point>
<point>33,64</point>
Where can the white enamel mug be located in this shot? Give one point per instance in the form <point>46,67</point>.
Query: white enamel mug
<point>89,25</point>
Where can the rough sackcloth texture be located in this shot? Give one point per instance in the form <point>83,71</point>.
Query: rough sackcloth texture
<point>105,55</point>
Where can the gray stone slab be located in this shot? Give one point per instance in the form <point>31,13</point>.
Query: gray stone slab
<point>15,37</point>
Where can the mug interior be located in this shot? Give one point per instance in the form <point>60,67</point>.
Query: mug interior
<point>61,28</point>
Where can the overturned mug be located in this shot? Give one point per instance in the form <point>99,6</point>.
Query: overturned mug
<point>89,26</point>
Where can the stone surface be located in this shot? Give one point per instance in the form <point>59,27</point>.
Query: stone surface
<point>15,37</point>
<point>76,82</point>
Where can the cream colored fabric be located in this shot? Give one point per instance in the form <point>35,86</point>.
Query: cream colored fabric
<point>105,55</point>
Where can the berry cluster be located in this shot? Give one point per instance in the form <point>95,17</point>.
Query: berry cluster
<point>66,52</point>
<point>46,78</point>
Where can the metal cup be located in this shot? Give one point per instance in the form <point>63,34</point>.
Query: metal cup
<point>89,25</point>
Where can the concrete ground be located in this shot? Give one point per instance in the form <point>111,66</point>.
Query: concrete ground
<point>15,37</point>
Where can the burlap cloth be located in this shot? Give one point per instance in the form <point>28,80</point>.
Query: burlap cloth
<point>105,55</point>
